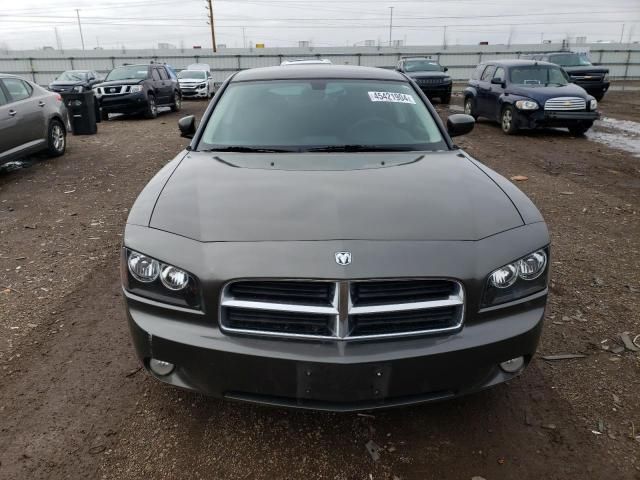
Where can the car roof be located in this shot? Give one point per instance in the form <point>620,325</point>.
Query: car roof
<point>518,63</point>
<point>317,71</point>
<point>420,58</point>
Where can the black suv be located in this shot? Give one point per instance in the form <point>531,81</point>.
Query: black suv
<point>429,75</point>
<point>75,81</point>
<point>595,80</point>
<point>138,89</point>
<point>528,94</point>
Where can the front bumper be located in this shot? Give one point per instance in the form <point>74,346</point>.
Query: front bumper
<point>553,118</point>
<point>593,88</point>
<point>194,93</point>
<point>128,103</point>
<point>336,376</point>
<point>436,90</point>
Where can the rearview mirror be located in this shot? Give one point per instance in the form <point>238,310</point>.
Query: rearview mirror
<point>459,124</point>
<point>187,126</point>
<point>497,81</point>
<point>445,69</point>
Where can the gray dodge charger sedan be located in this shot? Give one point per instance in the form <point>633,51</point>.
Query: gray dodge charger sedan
<point>322,243</point>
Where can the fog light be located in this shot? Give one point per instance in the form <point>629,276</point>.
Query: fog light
<point>160,367</point>
<point>512,366</point>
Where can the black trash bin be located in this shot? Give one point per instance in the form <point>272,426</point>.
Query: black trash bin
<point>82,112</point>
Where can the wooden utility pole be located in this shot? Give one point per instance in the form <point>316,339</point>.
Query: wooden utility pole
<point>213,31</point>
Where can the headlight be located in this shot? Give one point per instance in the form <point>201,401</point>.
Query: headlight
<point>135,88</point>
<point>151,278</point>
<point>606,77</point>
<point>518,279</point>
<point>526,105</point>
<point>593,105</point>
<point>447,79</point>
<point>202,85</point>
<point>78,89</point>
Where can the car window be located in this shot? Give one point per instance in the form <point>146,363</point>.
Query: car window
<point>197,74</point>
<point>499,73</point>
<point>538,75</point>
<point>569,60</point>
<point>72,76</point>
<point>299,115</point>
<point>477,73</point>
<point>154,74</point>
<point>163,74</point>
<point>422,66</point>
<point>128,72</point>
<point>3,97</point>
<point>18,89</point>
<point>488,73</point>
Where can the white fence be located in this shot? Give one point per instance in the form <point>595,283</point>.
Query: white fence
<point>42,66</point>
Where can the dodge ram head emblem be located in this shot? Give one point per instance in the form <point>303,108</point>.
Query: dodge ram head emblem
<point>343,258</point>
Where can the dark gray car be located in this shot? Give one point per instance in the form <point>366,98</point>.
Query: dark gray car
<point>76,81</point>
<point>322,244</point>
<point>32,119</point>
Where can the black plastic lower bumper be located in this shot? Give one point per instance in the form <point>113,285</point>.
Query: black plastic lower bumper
<point>546,118</point>
<point>436,91</point>
<point>337,376</point>
<point>130,103</point>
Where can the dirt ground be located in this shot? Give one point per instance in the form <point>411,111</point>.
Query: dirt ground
<point>75,404</point>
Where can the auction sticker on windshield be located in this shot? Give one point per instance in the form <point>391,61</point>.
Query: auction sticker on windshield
<point>391,97</point>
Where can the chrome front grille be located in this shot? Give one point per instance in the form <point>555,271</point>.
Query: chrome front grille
<point>565,103</point>
<point>344,310</point>
<point>114,90</point>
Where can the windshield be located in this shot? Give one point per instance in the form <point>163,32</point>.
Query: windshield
<point>199,74</point>
<point>72,76</point>
<point>570,60</point>
<point>422,66</point>
<point>311,115</point>
<point>129,72</point>
<point>538,75</point>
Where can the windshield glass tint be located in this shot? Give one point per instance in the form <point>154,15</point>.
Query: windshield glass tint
<point>422,66</point>
<point>570,60</point>
<point>73,76</point>
<point>537,75</point>
<point>299,115</point>
<point>130,72</point>
<point>199,74</point>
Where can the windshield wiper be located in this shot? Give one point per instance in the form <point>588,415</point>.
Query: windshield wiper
<point>240,148</point>
<point>360,148</point>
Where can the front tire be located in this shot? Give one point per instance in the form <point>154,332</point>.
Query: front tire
<point>177,102</point>
<point>580,129</point>
<point>508,120</point>
<point>469,109</point>
<point>56,138</point>
<point>152,108</point>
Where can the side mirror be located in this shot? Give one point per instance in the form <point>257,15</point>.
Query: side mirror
<point>497,81</point>
<point>459,124</point>
<point>187,126</point>
<point>445,69</point>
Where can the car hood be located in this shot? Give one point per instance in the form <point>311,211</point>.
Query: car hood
<point>582,69</point>
<point>544,93</point>
<point>426,74</point>
<point>192,80</point>
<point>66,83</point>
<point>242,197</point>
<point>120,82</point>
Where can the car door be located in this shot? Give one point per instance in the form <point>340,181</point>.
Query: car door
<point>27,107</point>
<point>484,89</point>
<point>8,124</point>
<point>166,85</point>
<point>495,92</point>
<point>156,81</point>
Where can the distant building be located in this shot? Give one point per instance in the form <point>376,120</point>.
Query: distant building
<point>166,46</point>
<point>47,47</point>
<point>581,40</point>
<point>222,45</point>
<point>397,43</point>
<point>369,43</point>
<point>304,43</point>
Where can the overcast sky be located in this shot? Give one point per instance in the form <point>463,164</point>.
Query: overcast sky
<point>282,23</point>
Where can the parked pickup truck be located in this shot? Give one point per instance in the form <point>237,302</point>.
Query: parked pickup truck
<point>523,94</point>
<point>594,79</point>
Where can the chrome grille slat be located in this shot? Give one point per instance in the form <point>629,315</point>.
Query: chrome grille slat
<point>431,306</point>
<point>565,104</point>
